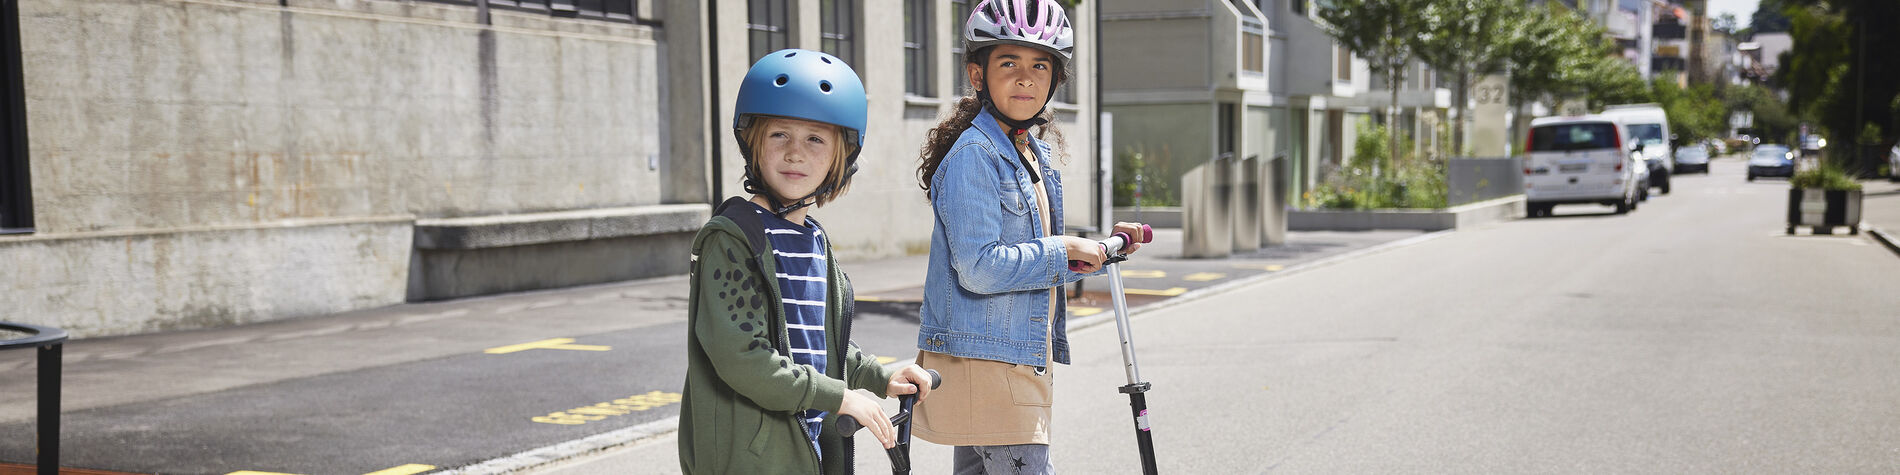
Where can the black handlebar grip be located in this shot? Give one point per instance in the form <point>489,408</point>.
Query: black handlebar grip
<point>849,426</point>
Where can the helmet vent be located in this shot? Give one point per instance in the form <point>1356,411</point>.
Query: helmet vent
<point>825,59</point>
<point>782,79</point>
<point>791,54</point>
<point>824,86</point>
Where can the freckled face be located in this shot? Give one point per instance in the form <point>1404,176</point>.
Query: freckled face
<point>1018,78</point>
<point>795,155</point>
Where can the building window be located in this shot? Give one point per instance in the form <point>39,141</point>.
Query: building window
<point>838,31</point>
<point>768,24</point>
<point>960,16</point>
<point>1342,57</point>
<point>16,200</point>
<point>618,10</point>
<point>1252,56</point>
<point>917,59</point>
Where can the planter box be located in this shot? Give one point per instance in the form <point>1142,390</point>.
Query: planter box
<point>1823,210</point>
<point>1456,217</point>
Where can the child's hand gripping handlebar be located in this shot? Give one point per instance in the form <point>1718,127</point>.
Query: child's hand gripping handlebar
<point>848,425</point>
<point>1112,247</point>
<point>900,453</point>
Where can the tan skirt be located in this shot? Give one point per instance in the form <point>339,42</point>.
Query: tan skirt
<point>984,402</point>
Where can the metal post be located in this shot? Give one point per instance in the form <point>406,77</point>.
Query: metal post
<point>49,408</point>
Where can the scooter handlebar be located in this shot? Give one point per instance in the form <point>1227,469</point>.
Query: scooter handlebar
<point>848,425</point>
<point>1114,244</point>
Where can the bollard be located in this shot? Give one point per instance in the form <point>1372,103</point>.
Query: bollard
<point>1273,181</point>
<point>1206,220</point>
<point>48,341</point>
<point>1246,204</point>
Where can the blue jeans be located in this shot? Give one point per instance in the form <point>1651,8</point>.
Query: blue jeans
<point>1030,459</point>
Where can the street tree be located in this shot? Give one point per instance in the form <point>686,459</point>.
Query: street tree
<point>1470,39</point>
<point>1384,32</point>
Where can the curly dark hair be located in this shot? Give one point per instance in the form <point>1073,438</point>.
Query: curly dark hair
<point>938,141</point>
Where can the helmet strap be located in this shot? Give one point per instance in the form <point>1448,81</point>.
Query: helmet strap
<point>1016,127</point>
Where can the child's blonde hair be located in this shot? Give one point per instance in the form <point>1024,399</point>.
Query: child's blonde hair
<point>835,182</point>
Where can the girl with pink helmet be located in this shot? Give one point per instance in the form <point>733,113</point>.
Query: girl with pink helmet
<point>993,313</point>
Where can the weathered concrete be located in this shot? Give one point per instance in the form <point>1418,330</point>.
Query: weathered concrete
<point>150,116</point>
<point>119,283</point>
<point>461,257</point>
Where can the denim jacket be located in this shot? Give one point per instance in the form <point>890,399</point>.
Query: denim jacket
<point>991,264</point>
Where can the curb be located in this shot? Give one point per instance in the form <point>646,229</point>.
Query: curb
<point>1881,235</point>
<point>626,437</point>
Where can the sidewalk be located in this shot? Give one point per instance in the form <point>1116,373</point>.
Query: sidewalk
<point>292,396</point>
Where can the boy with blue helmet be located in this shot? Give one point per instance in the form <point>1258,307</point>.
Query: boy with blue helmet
<point>770,362</point>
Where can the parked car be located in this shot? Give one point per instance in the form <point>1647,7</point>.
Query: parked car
<point>1580,159</point>
<point>1770,160</point>
<point>1692,158</point>
<point>1649,127</point>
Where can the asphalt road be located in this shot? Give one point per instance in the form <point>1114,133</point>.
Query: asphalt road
<point>1691,336</point>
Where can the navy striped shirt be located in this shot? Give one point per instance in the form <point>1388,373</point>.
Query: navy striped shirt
<point>800,253</point>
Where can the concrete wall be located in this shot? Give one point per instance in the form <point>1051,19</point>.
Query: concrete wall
<point>115,283</point>
<point>151,121</point>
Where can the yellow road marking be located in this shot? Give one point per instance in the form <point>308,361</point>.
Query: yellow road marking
<point>548,344</point>
<point>1172,291</point>
<point>869,299</point>
<point>409,469</point>
<point>884,360</point>
<point>1143,274</point>
<point>1268,268</point>
<point>617,407</point>
<point>1203,276</point>
<point>1085,311</point>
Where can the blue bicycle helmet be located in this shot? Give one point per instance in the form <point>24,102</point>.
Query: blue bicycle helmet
<point>801,84</point>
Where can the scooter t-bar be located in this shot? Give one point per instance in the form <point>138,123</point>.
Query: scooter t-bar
<point>1136,389</point>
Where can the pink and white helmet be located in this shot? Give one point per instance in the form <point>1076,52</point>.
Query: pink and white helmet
<point>1040,24</point>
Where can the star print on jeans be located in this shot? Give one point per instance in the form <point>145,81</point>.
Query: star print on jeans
<point>1020,465</point>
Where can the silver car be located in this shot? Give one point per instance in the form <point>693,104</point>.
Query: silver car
<point>1693,158</point>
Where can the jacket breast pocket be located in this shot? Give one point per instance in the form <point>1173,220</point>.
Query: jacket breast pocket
<point>1012,197</point>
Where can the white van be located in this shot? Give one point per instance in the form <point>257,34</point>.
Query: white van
<point>1648,126</point>
<point>1580,159</point>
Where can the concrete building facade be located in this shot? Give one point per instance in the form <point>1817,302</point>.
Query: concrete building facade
<point>180,164</point>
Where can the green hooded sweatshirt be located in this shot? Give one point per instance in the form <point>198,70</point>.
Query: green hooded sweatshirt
<point>739,409</point>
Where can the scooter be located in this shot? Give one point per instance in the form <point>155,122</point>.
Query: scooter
<point>1136,389</point>
<point>900,453</point>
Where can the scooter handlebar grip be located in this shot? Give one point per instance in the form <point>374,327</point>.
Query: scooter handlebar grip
<point>848,425</point>
<point>1147,234</point>
<point>935,379</point>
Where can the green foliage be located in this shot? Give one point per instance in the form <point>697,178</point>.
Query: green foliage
<point>1369,149</point>
<point>1150,170</point>
<point>1828,176</point>
<point>1772,118</point>
<point>1413,183</point>
<point>1694,113</point>
<point>1558,52</point>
